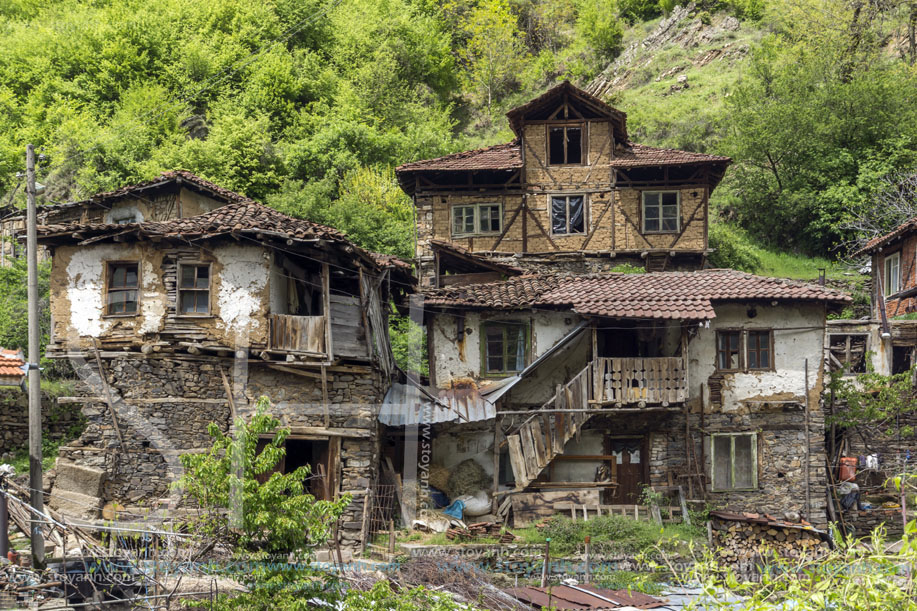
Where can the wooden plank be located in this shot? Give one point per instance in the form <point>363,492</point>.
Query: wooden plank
<point>541,452</point>
<point>528,453</point>
<point>517,459</point>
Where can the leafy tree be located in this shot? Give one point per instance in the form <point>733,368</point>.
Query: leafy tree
<point>272,526</point>
<point>597,22</point>
<point>495,51</point>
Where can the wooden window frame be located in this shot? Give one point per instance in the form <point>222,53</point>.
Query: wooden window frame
<point>585,230</point>
<point>714,485</point>
<point>179,290</point>
<point>660,192</point>
<point>770,349</point>
<point>895,256</point>
<point>740,350</point>
<point>526,331</point>
<point>845,365</point>
<point>106,289</point>
<point>477,219</point>
<point>584,148</point>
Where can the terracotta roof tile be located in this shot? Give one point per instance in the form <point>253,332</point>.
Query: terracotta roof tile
<point>876,243</point>
<point>673,295</point>
<point>498,157</point>
<point>508,157</point>
<point>640,155</point>
<point>11,362</point>
<point>167,177</point>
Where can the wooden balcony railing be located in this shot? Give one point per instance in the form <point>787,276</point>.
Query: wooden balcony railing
<point>298,333</point>
<point>628,381</point>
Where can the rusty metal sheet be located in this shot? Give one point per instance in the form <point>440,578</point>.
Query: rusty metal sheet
<point>407,405</point>
<point>584,597</point>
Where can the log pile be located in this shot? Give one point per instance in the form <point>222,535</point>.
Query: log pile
<point>479,530</point>
<point>745,544</point>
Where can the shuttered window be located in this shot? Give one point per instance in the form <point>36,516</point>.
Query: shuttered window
<point>735,461</point>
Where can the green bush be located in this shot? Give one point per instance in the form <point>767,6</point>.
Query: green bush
<point>732,248</point>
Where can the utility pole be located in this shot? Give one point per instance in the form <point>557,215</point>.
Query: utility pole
<point>35,479</point>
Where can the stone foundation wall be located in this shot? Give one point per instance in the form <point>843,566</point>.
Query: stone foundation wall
<point>781,455</point>
<point>58,421</point>
<point>164,406</point>
<point>866,520</point>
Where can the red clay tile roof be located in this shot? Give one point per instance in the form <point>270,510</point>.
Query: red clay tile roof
<point>671,295</point>
<point>877,243</point>
<point>244,217</point>
<point>498,157</point>
<point>180,176</point>
<point>10,363</point>
<point>553,95</point>
<point>508,157</point>
<point>640,155</point>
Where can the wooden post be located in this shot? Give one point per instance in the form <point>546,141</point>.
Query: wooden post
<point>496,459</point>
<point>547,559</point>
<point>587,576</point>
<point>808,503</point>
<point>326,306</point>
<point>391,536</point>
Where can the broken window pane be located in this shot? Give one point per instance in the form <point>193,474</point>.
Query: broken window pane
<point>576,214</point>
<point>574,145</point>
<point>847,351</point>
<point>556,145</point>
<point>727,344</point>
<point>559,215</point>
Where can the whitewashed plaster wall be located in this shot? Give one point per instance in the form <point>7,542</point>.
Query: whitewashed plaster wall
<point>798,336</point>
<point>84,289</point>
<point>242,290</point>
<point>460,359</point>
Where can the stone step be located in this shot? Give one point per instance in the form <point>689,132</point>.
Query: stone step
<point>75,505</point>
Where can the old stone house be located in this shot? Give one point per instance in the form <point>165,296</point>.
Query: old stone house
<point>710,380</point>
<point>191,318</point>
<point>571,190</point>
<point>554,373</point>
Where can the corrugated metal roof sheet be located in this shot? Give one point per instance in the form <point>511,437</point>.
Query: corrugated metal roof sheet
<point>408,404</point>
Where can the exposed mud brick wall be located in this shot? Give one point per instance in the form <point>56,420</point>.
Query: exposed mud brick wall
<point>628,222</point>
<point>58,421</point>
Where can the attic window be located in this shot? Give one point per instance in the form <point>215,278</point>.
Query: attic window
<point>194,289</point>
<point>122,290</point>
<point>565,145</point>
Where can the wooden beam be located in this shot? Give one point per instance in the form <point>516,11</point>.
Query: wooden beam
<point>330,431</point>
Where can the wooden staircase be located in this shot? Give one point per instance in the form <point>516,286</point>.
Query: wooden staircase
<point>543,436</point>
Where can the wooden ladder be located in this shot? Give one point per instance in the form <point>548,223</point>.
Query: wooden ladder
<point>543,436</point>
<point>656,261</point>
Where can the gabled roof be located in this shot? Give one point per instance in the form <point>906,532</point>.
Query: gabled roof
<point>497,157</point>
<point>552,97</point>
<point>247,218</point>
<point>883,240</point>
<point>662,295</point>
<point>178,177</point>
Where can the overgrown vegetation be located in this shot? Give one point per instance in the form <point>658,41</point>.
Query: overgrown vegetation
<point>874,401</point>
<point>610,534</point>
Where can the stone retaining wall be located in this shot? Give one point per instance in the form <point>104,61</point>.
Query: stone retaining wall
<point>58,421</point>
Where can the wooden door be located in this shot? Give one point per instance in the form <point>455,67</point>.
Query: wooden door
<point>630,454</point>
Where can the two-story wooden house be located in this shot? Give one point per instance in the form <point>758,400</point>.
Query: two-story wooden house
<point>570,192</point>
<point>192,318</point>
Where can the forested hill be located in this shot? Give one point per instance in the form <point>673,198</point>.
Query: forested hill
<point>309,104</point>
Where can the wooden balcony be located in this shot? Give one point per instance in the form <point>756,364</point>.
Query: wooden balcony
<point>641,382</point>
<point>298,333</point>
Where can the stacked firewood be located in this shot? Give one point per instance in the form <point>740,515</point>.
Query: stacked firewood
<point>749,543</point>
<point>479,530</point>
